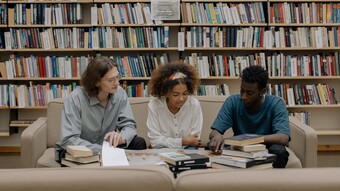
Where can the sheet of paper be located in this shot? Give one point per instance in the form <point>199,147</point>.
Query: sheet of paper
<point>112,156</point>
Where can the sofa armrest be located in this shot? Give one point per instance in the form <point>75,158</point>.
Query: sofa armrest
<point>303,143</point>
<point>33,142</point>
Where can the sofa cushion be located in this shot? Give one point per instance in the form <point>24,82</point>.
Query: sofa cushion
<point>47,159</point>
<point>293,161</point>
<point>148,178</point>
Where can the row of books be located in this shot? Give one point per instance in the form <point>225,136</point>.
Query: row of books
<point>303,65</point>
<point>304,94</point>
<point>122,13</point>
<point>93,37</point>
<point>213,90</point>
<point>304,37</point>
<point>32,95</point>
<point>302,116</point>
<point>158,37</point>
<point>223,65</point>
<point>49,67</point>
<point>297,12</point>
<point>47,14</point>
<point>140,65</point>
<point>136,90</point>
<point>3,14</point>
<point>229,13</point>
<point>247,37</point>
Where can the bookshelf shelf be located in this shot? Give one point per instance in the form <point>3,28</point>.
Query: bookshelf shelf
<point>304,24</point>
<point>19,125</point>
<point>50,26</point>
<point>224,24</point>
<point>327,132</point>
<point>36,2</point>
<point>29,108</point>
<point>313,106</point>
<point>305,78</point>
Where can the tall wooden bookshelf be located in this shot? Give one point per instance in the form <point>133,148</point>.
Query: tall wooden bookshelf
<point>211,42</point>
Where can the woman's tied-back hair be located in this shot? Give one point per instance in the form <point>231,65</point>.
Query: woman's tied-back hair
<point>95,71</point>
<point>166,76</point>
<point>255,74</point>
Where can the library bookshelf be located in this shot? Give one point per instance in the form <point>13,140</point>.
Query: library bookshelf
<point>219,37</point>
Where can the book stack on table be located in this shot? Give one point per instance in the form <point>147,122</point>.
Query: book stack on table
<point>245,151</point>
<point>80,156</point>
<point>179,162</point>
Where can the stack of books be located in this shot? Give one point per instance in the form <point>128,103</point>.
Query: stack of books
<point>245,151</point>
<point>179,162</point>
<point>80,156</point>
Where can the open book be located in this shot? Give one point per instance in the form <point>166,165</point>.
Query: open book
<point>113,156</point>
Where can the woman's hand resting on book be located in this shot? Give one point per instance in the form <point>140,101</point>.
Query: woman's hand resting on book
<point>114,138</point>
<point>191,140</point>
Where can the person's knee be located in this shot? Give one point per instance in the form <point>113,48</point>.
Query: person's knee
<point>140,143</point>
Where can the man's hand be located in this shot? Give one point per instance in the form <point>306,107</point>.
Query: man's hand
<point>216,142</point>
<point>114,138</point>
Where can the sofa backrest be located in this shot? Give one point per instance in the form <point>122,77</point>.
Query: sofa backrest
<point>54,110</point>
<point>136,178</point>
<point>210,105</point>
<point>139,108</point>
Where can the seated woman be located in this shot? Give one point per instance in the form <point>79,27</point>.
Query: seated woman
<point>175,117</point>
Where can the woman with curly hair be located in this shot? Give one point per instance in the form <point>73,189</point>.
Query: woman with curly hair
<point>175,116</point>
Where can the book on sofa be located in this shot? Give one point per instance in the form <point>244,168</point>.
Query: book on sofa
<point>244,139</point>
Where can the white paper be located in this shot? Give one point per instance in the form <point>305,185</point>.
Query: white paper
<point>113,156</point>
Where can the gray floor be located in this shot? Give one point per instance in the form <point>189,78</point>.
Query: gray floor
<point>325,159</point>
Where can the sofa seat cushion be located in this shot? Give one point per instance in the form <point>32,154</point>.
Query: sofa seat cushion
<point>47,159</point>
<point>293,161</point>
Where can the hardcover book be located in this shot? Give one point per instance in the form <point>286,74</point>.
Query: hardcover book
<point>244,139</point>
<point>250,148</point>
<point>242,162</point>
<point>189,167</point>
<point>79,151</point>
<point>80,165</point>
<point>238,153</point>
<point>178,159</point>
<point>83,160</point>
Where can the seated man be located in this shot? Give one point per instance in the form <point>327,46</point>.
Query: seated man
<point>252,111</point>
<point>99,110</point>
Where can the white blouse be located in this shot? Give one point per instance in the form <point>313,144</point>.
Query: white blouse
<point>166,130</point>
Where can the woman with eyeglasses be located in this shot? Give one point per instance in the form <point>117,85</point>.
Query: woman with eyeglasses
<point>99,110</point>
<point>174,115</point>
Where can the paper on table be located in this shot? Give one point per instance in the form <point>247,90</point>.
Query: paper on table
<point>112,156</point>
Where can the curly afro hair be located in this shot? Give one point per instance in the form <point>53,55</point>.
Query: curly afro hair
<point>255,74</point>
<point>160,83</point>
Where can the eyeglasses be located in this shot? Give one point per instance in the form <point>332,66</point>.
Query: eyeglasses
<point>115,79</point>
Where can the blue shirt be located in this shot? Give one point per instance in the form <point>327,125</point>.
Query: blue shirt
<point>272,117</point>
<point>85,121</point>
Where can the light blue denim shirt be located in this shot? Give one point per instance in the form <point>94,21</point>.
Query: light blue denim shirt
<point>85,121</point>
